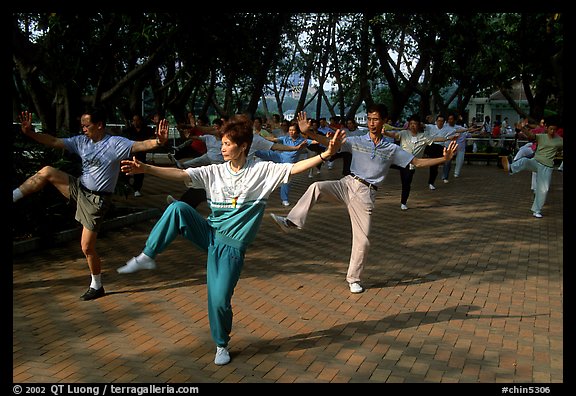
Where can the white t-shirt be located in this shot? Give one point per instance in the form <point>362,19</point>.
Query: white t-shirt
<point>238,199</point>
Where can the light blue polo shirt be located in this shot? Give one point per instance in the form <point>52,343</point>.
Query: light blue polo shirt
<point>371,162</point>
<point>100,160</point>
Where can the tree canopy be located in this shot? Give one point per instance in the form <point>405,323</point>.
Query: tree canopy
<point>224,63</point>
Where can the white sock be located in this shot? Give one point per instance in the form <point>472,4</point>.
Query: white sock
<point>96,281</point>
<point>16,195</point>
<point>142,258</point>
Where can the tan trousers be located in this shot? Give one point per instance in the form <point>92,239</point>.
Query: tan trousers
<point>359,200</point>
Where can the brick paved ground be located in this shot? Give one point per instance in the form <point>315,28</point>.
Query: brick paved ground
<point>466,286</point>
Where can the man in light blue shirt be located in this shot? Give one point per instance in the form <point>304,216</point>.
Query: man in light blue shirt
<point>371,160</point>
<point>92,191</point>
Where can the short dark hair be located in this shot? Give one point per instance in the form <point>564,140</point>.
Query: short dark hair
<point>97,114</point>
<point>379,108</point>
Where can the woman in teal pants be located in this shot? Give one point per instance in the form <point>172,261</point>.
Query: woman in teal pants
<point>237,192</point>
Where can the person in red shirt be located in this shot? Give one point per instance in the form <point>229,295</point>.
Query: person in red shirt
<point>496,130</point>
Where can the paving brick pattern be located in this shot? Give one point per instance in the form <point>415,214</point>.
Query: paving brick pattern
<point>464,287</point>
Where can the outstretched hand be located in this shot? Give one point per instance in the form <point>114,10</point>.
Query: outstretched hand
<point>450,150</point>
<point>26,122</point>
<point>132,167</point>
<point>336,141</point>
<point>304,123</point>
<point>302,145</point>
<point>162,131</point>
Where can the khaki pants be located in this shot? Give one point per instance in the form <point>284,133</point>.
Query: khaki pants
<point>358,199</point>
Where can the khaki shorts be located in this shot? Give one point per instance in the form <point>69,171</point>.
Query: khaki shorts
<point>90,208</point>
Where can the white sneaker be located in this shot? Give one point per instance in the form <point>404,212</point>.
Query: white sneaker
<point>403,207</point>
<point>285,203</point>
<point>431,187</point>
<point>137,194</point>
<point>283,223</point>
<point>222,356</point>
<point>538,215</point>
<point>356,288</point>
<point>445,180</point>
<point>134,265</point>
<point>170,199</point>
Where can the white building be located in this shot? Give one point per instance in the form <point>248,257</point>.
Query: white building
<point>289,115</point>
<point>496,106</point>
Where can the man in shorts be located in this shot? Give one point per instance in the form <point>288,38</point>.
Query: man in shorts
<point>101,154</point>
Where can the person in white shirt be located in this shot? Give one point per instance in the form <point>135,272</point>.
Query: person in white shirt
<point>237,192</point>
<point>456,132</point>
<point>211,156</point>
<point>412,140</point>
<point>439,129</point>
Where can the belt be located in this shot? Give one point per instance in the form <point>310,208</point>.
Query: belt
<point>100,193</point>
<point>369,185</point>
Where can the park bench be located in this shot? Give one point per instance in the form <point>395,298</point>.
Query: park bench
<point>483,156</point>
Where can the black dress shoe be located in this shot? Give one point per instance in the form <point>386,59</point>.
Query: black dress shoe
<point>92,294</point>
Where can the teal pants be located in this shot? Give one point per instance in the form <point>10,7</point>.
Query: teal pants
<point>223,267</point>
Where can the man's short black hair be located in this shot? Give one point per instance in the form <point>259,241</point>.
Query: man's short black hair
<point>97,114</point>
<point>379,108</point>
